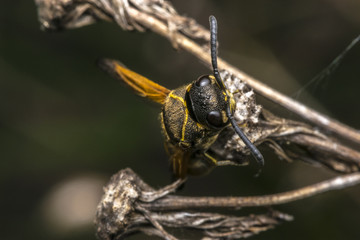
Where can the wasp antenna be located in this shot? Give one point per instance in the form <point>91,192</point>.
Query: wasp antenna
<point>254,151</point>
<point>213,42</point>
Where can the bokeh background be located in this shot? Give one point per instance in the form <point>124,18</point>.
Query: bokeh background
<point>66,127</point>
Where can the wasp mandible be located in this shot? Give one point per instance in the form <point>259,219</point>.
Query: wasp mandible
<point>192,116</point>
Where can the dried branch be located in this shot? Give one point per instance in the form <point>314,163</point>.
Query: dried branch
<point>160,17</point>
<point>125,208</point>
<point>289,139</point>
<point>182,202</point>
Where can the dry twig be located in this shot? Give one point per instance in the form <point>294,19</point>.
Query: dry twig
<point>126,208</point>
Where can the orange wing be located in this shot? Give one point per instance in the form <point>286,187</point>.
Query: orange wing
<point>140,84</point>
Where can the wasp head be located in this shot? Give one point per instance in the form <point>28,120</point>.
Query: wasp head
<point>207,102</point>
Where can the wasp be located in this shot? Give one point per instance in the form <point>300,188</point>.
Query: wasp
<point>192,116</point>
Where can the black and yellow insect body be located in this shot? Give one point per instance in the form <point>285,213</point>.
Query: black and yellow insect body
<point>192,116</point>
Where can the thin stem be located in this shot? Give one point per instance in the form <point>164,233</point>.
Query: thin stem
<point>180,202</point>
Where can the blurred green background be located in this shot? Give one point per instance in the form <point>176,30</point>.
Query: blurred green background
<point>66,127</point>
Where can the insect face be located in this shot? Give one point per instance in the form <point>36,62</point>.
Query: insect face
<point>207,102</point>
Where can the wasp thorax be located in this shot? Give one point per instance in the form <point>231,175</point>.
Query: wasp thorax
<point>207,102</point>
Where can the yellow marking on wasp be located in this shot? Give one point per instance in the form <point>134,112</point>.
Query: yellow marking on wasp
<point>232,101</point>
<point>188,87</point>
<point>184,125</point>
<point>242,125</point>
<point>172,95</point>
<point>224,116</point>
<point>186,114</point>
<point>211,158</point>
<point>213,79</point>
<point>221,82</point>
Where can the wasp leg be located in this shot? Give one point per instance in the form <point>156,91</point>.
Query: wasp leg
<point>199,164</point>
<point>202,163</point>
<point>222,162</point>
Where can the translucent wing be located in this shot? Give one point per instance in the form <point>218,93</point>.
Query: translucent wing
<point>140,84</point>
<point>178,159</point>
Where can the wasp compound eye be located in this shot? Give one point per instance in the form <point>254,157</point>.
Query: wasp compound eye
<point>214,118</point>
<point>203,81</point>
